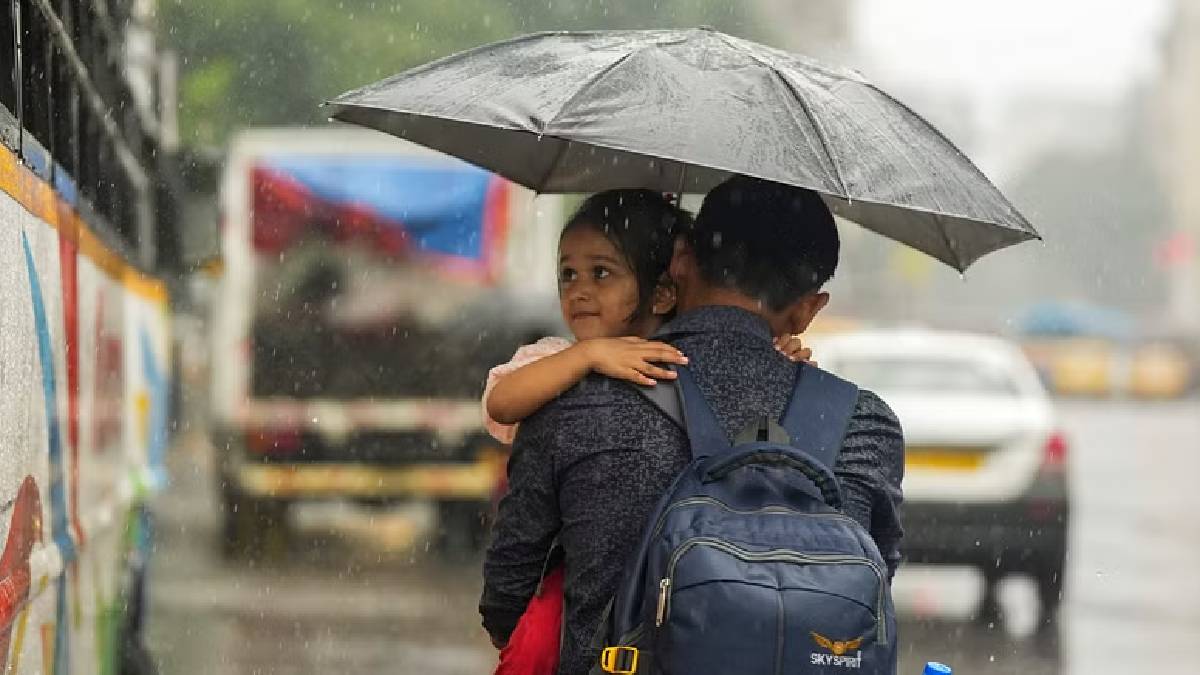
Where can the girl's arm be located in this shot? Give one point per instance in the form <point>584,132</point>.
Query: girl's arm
<point>520,393</point>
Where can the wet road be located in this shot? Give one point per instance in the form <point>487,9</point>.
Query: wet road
<point>359,593</point>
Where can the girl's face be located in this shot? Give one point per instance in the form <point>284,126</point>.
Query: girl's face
<point>597,289</point>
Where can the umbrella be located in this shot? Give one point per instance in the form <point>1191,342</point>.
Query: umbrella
<point>680,111</point>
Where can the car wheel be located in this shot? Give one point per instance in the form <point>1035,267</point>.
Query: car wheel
<point>1050,588</point>
<point>989,614</point>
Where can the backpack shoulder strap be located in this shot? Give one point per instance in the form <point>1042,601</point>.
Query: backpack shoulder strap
<point>705,434</point>
<point>819,413</point>
<point>685,405</point>
<point>665,397</point>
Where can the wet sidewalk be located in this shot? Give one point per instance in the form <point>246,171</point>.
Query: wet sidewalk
<point>355,593</point>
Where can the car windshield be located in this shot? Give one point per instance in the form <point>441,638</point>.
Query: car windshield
<point>927,374</point>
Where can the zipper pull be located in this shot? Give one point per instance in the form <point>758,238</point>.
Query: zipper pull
<point>664,588</point>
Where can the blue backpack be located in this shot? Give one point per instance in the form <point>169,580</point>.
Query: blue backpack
<point>747,566</point>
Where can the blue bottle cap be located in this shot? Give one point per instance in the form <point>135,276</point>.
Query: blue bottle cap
<point>935,668</point>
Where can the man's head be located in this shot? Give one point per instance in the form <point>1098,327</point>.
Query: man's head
<point>761,245</point>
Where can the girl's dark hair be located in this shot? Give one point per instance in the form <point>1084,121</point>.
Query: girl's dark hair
<point>642,226</point>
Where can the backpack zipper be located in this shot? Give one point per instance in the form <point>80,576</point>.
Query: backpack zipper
<point>779,510</point>
<point>774,555</point>
<point>664,587</point>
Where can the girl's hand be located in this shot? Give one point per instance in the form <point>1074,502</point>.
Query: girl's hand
<point>631,358</point>
<point>791,347</point>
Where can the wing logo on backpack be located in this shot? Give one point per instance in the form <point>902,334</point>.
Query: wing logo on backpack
<point>838,647</point>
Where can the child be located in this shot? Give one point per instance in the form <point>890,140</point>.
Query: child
<point>614,293</point>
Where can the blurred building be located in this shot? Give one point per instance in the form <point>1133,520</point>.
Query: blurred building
<point>1179,159</point>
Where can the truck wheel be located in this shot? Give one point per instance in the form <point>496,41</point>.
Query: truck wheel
<point>237,531</point>
<point>252,527</point>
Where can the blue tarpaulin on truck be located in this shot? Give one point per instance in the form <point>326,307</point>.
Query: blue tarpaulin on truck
<point>456,213</point>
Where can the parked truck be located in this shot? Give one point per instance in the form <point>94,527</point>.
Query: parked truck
<point>366,286</point>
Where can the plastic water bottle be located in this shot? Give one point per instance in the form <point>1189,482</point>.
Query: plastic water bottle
<point>935,668</point>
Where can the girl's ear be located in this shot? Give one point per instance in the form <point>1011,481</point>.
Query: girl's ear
<point>665,297</point>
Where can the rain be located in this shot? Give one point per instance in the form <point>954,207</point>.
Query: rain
<point>267,264</point>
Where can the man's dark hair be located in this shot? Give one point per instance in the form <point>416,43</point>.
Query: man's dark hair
<point>770,241</point>
<point>642,226</point>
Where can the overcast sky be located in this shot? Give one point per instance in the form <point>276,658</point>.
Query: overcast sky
<point>1077,47</point>
<point>1008,78</point>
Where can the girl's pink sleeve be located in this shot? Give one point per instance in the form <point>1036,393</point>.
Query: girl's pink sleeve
<point>505,433</point>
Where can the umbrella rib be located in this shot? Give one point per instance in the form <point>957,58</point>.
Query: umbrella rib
<point>564,144</point>
<point>820,131</point>
<point>562,149</point>
<point>585,86</point>
<point>1022,220</point>
<point>941,228</point>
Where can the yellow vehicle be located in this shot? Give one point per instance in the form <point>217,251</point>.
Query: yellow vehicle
<point>1160,370</point>
<point>1085,367</point>
<point>1093,367</point>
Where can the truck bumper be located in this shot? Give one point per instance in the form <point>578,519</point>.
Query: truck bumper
<point>477,480</point>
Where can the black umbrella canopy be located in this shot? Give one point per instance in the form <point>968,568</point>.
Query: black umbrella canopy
<point>680,111</point>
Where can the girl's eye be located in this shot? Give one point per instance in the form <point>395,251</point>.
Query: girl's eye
<point>601,272</point>
<point>566,275</point>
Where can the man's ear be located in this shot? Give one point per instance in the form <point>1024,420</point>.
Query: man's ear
<point>683,261</point>
<point>665,297</point>
<point>804,310</point>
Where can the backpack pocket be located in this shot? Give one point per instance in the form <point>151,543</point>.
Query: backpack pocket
<point>723,608</point>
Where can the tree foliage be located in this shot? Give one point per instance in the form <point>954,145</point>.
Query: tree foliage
<point>270,63</point>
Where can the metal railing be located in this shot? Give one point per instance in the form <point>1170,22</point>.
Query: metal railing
<point>69,109</point>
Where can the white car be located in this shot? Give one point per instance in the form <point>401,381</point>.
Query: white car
<point>985,481</point>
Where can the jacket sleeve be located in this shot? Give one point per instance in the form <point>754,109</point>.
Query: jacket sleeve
<point>870,470</point>
<point>526,524</point>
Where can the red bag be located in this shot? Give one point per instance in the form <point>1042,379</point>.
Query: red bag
<point>533,647</point>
